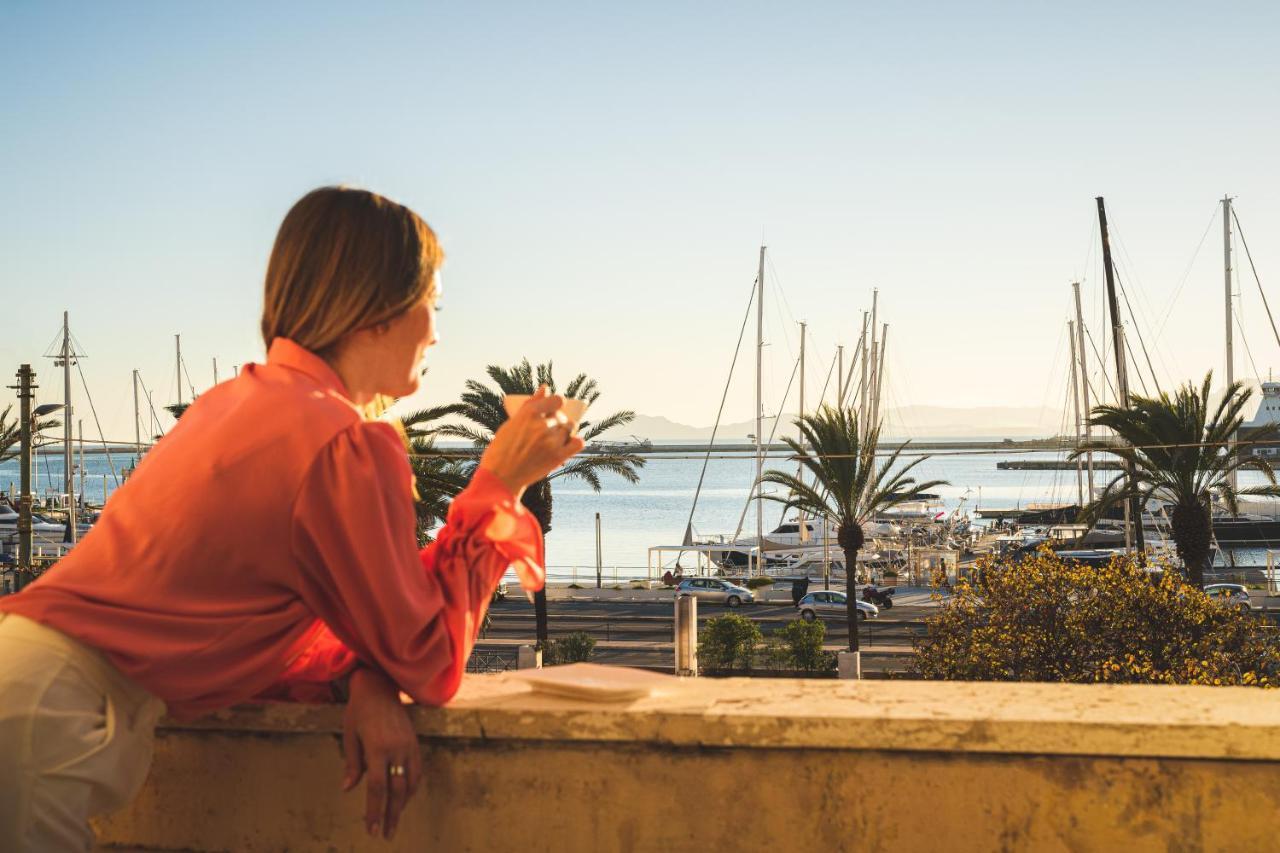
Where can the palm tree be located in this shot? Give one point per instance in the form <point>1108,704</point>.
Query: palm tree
<point>11,432</point>
<point>438,477</point>
<point>482,406</point>
<point>1181,454</point>
<point>848,487</point>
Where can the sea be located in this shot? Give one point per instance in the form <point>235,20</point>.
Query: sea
<point>655,511</point>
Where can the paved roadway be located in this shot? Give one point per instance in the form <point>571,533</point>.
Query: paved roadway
<point>639,633</point>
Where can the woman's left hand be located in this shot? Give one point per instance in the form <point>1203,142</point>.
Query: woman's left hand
<point>378,739</point>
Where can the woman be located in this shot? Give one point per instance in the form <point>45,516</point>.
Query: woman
<point>265,547</point>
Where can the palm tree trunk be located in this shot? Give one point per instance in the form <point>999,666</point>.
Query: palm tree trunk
<point>537,499</point>
<point>851,595</point>
<point>1193,536</point>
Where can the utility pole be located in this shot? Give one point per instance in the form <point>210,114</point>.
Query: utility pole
<point>1226,280</point>
<point>26,389</point>
<point>759,409</point>
<point>1075,401</point>
<point>1084,385</point>
<point>1133,510</point>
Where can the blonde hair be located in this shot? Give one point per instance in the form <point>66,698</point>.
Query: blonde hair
<point>345,259</point>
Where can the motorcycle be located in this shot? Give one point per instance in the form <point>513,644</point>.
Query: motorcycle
<point>878,597</point>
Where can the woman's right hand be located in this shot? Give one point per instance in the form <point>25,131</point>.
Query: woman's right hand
<point>534,442</point>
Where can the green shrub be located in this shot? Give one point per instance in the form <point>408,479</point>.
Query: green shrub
<point>801,643</point>
<point>728,642</point>
<point>756,583</point>
<point>1048,619</point>
<point>577,647</point>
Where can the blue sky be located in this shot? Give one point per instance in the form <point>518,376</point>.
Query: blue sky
<point>602,175</point>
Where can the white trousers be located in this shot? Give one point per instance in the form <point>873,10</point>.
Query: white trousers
<point>75,738</point>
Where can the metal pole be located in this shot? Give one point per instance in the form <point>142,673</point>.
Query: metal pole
<point>177,342</point>
<point>1133,535</point>
<point>26,388</point>
<point>215,370</point>
<point>137,422</point>
<point>1226,280</point>
<point>1075,400</point>
<point>840,376</point>
<point>599,553</point>
<point>862,381</point>
<point>1084,384</point>
<point>68,477</point>
<point>884,340</point>
<point>759,404</point>
<point>801,528</point>
<point>875,361</point>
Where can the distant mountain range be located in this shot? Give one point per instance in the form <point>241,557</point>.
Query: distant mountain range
<point>906,422</point>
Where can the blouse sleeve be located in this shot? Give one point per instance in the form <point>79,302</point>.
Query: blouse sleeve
<point>414,615</point>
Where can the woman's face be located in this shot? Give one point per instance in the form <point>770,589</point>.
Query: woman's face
<point>396,348</point>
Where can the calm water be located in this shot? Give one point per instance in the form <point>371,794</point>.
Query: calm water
<point>655,510</point>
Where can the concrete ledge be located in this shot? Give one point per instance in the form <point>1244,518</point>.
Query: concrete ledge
<point>892,765</point>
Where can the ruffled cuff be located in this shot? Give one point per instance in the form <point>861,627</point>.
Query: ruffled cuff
<point>508,527</point>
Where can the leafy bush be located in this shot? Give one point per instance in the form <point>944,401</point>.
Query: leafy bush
<point>757,582</point>
<point>728,642</point>
<point>574,648</point>
<point>802,644</point>
<point>1043,619</point>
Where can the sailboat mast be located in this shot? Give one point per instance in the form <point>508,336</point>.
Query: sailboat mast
<point>1075,402</point>
<point>800,527</point>
<point>862,384</point>
<point>759,409</point>
<point>884,337</point>
<point>177,342</point>
<point>137,421</point>
<point>68,482</point>
<point>1133,527</point>
<point>1084,385</point>
<point>840,375</point>
<point>875,359</point>
<point>1226,280</point>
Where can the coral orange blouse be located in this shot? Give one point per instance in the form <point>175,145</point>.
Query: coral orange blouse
<point>268,540</point>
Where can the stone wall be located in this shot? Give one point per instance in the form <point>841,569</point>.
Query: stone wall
<point>737,764</point>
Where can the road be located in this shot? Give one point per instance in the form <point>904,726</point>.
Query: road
<point>640,633</point>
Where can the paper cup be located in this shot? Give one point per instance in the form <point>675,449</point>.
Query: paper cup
<point>573,409</point>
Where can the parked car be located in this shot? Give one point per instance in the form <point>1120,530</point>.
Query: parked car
<point>1230,594</point>
<point>715,591</point>
<point>832,604</point>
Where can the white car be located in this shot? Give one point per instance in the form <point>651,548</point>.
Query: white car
<point>715,590</point>
<point>832,604</point>
<point>1230,595</point>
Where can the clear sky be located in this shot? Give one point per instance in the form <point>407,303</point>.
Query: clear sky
<point>602,175</point>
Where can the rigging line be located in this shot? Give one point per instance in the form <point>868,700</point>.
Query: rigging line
<point>190,384</point>
<point>1186,274</point>
<point>736,351</point>
<point>1129,348</point>
<point>92,408</point>
<point>1102,364</point>
<point>1249,255</point>
<point>756,491</point>
<point>1244,340</point>
<point>155,418</point>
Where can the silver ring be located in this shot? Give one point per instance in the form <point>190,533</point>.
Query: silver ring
<point>396,770</point>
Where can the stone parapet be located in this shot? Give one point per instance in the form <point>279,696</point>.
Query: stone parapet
<point>717,764</point>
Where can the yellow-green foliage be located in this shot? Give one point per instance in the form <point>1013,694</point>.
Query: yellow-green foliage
<point>1044,619</point>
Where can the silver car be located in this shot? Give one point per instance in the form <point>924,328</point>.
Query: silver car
<point>830,604</point>
<point>715,591</point>
<point>1230,595</point>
